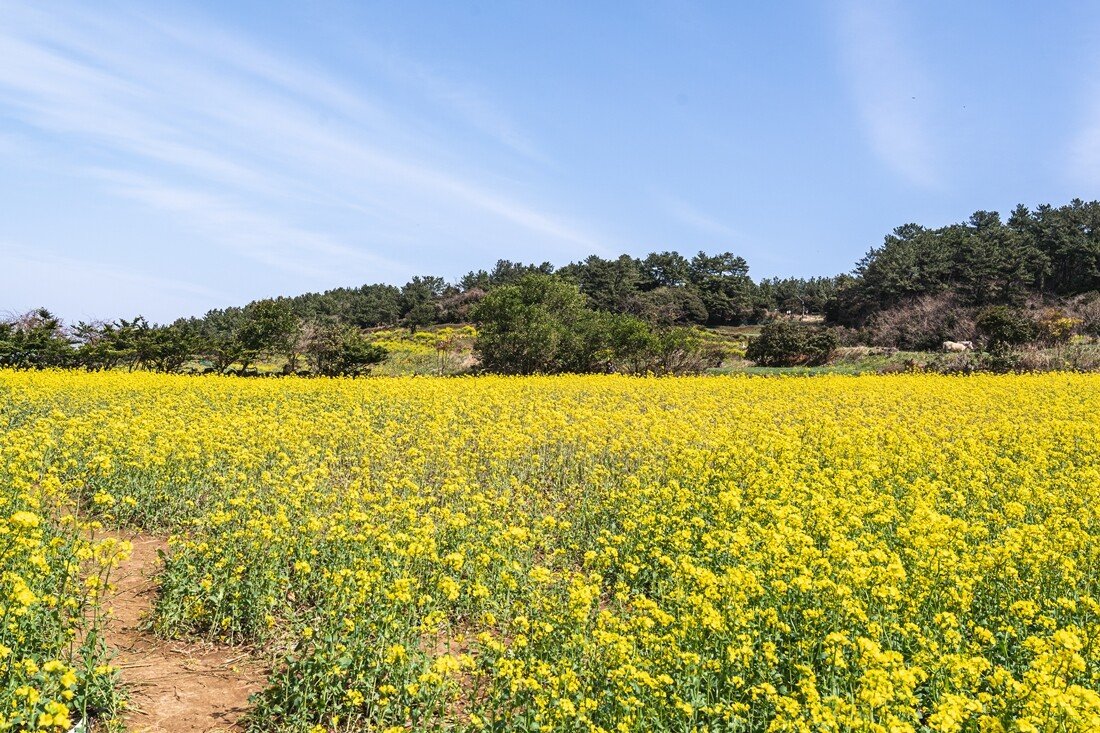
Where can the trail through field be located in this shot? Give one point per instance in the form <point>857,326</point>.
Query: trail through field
<point>175,686</point>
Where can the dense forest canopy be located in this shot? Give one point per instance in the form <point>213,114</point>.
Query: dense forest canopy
<point>1046,252</point>
<point>667,286</point>
<point>921,285</point>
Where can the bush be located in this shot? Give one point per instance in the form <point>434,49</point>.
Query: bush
<point>846,336</point>
<point>1081,358</point>
<point>34,340</point>
<point>966,362</point>
<point>1003,327</point>
<point>1086,309</point>
<point>785,343</point>
<point>334,350</point>
<point>1061,359</point>
<point>1054,326</point>
<point>668,306</point>
<point>542,324</point>
<point>539,325</point>
<point>681,350</point>
<point>923,324</point>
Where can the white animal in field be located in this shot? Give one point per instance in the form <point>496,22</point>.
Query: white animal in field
<point>958,346</point>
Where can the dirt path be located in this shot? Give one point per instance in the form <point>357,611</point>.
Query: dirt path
<point>175,686</point>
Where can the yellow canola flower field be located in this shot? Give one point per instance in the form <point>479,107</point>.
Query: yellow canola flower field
<point>53,570</point>
<point>591,553</point>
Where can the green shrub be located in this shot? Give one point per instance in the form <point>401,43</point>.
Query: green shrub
<point>1054,326</point>
<point>334,350</point>
<point>785,343</point>
<point>543,325</point>
<point>1003,327</point>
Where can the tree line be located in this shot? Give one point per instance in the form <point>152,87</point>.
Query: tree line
<point>662,287</point>
<point>234,339</point>
<point>622,314</point>
<point>926,285</point>
<point>1038,270</point>
<point>1049,251</point>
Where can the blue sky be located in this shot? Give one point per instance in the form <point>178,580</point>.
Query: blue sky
<point>167,158</point>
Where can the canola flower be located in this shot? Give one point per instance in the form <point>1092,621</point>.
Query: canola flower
<point>587,553</point>
<point>52,572</point>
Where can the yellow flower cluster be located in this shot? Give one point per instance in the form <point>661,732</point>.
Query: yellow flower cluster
<point>52,572</point>
<point>600,553</point>
<point>439,351</point>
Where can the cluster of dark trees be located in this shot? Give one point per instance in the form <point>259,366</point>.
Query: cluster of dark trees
<point>1048,256</point>
<point>664,287</point>
<point>233,338</point>
<point>920,287</point>
<point>1049,252</point>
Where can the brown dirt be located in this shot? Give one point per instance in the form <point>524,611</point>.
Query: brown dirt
<point>175,686</point>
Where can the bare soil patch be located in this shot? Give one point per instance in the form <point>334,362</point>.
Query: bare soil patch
<point>175,686</point>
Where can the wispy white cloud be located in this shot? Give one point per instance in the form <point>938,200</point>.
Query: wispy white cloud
<point>27,269</point>
<point>289,165</point>
<point>261,236</point>
<point>717,234</point>
<point>464,102</point>
<point>890,89</point>
<point>691,216</point>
